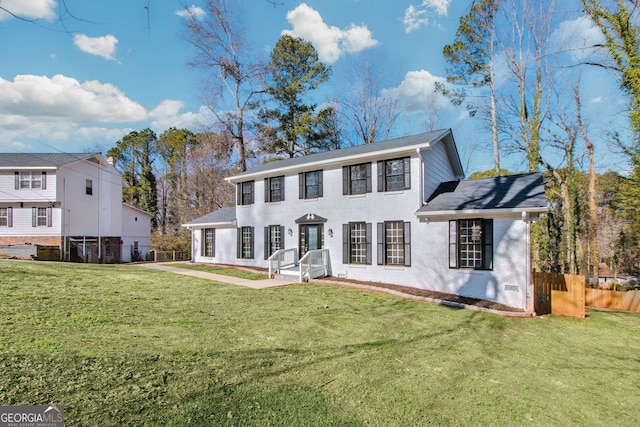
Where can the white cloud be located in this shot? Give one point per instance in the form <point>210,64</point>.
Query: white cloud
<point>577,36</point>
<point>330,41</point>
<point>418,16</point>
<point>169,114</point>
<point>417,92</point>
<point>191,11</point>
<point>104,46</point>
<point>30,9</point>
<point>596,100</point>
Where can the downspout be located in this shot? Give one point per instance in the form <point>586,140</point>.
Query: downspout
<point>63,219</point>
<point>99,211</point>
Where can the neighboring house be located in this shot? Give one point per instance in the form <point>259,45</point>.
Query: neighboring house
<point>70,201</point>
<point>393,212</point>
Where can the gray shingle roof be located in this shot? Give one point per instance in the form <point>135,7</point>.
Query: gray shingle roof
<point>41,160</point>
<point>223,215</point>
<point>391,144</point>
<point>519,192</point>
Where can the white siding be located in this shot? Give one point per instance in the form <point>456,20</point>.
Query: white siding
<point>135,228</point>
<point>437,168</point>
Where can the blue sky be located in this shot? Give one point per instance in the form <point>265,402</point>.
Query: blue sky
<point>81,74</point>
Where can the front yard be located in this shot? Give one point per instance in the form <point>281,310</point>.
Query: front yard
<point>122,345</point>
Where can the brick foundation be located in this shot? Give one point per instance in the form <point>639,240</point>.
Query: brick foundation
<point>33,240</point>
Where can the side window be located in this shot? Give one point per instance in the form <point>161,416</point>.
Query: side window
<point>207,242</point>
<point>6,217</point>
<point>394,243</point>
<point>274,189</point>
<point>245,243</point>
<point>356,179</point>
<point>88,187</point>
<point>356,243</point>
<point>471,244</point>
<point>310,185</point>
<point>244,194</point>
<point>394,175</point>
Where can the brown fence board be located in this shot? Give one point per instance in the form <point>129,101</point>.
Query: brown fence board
<point>616,300</point>
<point>560,294</point>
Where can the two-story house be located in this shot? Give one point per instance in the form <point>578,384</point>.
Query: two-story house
<point>395,212</point>
<point>70,201</point>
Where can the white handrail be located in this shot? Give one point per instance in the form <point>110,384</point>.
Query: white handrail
<point>282,258</point>
<point>314,264</point>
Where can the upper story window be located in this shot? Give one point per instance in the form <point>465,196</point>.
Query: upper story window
<point>88,187</point>
<point>274,189</point>
<point>6,217</point>
<point>471,244</point>
<point>245,193</point>
<point>310,185</point>
<point>394,175</point>
<point>356,179</point>
<point>24,180</point>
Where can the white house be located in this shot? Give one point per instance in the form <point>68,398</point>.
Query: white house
<point>393,212</point>
<point>72,201</point>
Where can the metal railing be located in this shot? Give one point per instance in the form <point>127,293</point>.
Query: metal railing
<point>314,264</point>
<point>282,258</point>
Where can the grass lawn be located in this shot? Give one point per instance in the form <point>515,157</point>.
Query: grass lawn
<point>225,271</point>
<point>123,345</point>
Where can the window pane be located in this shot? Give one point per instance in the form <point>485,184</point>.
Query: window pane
<point>470,243</point>
<point>25,179</point>
<point>42,217</point>
<point>358,243</point>
<point>36,180</point>
<point>247,193</point>
<point>274,239</point>
<point>359,179</point>
<point>394,174</point>
<point>312,185</point>
<point>4,217</point>
<point>395,242</point>
<point>208,242</point>
<point>246,242</point>
<point>275,188</point>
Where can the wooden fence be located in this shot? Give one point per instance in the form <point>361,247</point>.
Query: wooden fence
<point>560,294</point>
<point>616,300</point>
<point>171,255</point>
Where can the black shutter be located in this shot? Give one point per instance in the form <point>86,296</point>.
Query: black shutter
<point>213,242</point>
<point>488,244</point>
<point>267,188</point>
<point>203,233</point>
<point>17,180</point>
<point>282,186</point>
<point>9,217</point>
<point>49,217</point>
<point>251,236</point>
<point>320,184</point>
<point>345,243</point>
<point>266,242</point>
<point>252,187</point>
<point>381,176</point>
<point>368,169</point>
<point>239,242</point>
<point>407,244</point>
<point>301,194</point>
<point>345,180</point>
<point>381,243</point>
<point>44,180</point>
<point>407,173</point>
<point>34,216</point>
<point>369,238</point>
<point>239,193</point>
<point>453,243</point>
<point>282,245</point>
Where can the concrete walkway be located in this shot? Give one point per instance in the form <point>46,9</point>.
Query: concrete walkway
<point>255,284</point>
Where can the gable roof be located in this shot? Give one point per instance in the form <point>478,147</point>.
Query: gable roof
<point>513,193</point>
<point>397,147</point>
<point>225,216</point>
<point>41,160</point>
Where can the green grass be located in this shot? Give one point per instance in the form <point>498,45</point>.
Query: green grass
<point>225,271</point>
<point>122,345</point>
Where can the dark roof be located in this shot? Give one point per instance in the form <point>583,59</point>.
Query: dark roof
<point>41,160</point>
<point>225,214</point>
<point>391,144</point>
<point>503,192</point>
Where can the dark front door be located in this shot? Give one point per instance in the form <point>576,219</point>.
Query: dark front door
<point>311,238</point>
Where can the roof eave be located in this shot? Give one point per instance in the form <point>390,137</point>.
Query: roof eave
<point>482,212</point>
<point>248,176</point>
<point>219,224</point>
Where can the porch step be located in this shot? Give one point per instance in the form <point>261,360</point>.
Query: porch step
<point>288,274</point>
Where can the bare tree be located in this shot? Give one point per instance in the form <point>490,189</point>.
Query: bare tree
<point>234,74</point>
<point>368,111</point>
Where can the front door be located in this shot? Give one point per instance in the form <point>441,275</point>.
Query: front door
<point>311,238</point>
